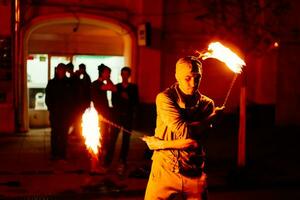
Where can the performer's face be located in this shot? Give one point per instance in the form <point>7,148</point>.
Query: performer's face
<point>188,79</point>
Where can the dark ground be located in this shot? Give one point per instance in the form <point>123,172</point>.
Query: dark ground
<point>271,171</point>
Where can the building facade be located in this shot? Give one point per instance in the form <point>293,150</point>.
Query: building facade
<point>151,35</point>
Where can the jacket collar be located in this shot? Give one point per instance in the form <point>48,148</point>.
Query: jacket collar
<point>181,101</point>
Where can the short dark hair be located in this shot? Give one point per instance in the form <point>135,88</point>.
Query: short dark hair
<point>70,66</point>
<point>82,66</point>
<point>61,65</point>
<point>126,69</point>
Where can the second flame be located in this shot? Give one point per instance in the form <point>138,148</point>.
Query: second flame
<point>91,130</point>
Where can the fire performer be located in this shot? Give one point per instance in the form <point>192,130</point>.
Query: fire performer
<point>183,116</point>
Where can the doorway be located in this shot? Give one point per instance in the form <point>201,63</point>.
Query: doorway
<point>51,41</point>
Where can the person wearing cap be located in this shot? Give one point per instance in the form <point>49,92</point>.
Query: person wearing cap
<point>82,97</point>
<point>183,117</point>
<point>99,89</point>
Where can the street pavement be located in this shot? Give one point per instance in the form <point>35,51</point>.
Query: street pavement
<point>271,171</point>
<point>27,172</point>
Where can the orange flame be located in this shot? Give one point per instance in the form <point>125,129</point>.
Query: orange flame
<point>224,54</point>
<point>91,130</point>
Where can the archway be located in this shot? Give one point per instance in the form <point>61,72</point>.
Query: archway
<point>122,30</point>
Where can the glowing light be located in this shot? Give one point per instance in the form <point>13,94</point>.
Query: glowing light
<point>218,51</point>
<point>91,130</point>
<point>276,44</point>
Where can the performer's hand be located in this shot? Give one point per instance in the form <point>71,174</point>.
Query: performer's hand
<point>216,114</point>
<point>219,110</point>
<point>153,143</point>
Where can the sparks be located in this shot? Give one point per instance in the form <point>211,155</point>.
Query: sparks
<point>91,130</point>
<point>218,51</point>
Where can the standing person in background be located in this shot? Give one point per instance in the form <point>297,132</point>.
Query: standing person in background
<point>58,98</point>
<point>125,101</point>
<point>83,96</point>
<point>73,95</point>
<point>183,116</point>
<point>70,70</point>
<point>99,90</point>
<point>82,74</point>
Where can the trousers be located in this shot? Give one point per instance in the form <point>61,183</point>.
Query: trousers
<point>163,183</point>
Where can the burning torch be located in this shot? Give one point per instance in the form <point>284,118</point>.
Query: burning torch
<point>229,58</point>
<point>91,133</point>
<point>234,63</point>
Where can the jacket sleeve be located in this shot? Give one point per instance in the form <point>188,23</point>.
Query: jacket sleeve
<point>169,113</point>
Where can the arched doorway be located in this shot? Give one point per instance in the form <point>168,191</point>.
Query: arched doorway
<point>73,34</point>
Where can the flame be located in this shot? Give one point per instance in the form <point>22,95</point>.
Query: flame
<point>224,54</point>
<point>91,129</point>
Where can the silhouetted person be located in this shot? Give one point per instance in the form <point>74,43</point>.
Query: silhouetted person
<point>183,116</point>
<point>70,70</point>
<point>73,95</point>
<point>82,74</point>
<point>125,100</point>
<point>58,98</point>
<point>82,96</point>
<point>99,90</point>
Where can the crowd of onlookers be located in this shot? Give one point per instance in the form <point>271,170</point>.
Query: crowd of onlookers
<point>69,93</point>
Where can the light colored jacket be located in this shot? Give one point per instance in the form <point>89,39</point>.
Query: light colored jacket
<point>173,122</point>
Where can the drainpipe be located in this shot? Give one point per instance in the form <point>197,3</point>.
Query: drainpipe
<point>15,6</point>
